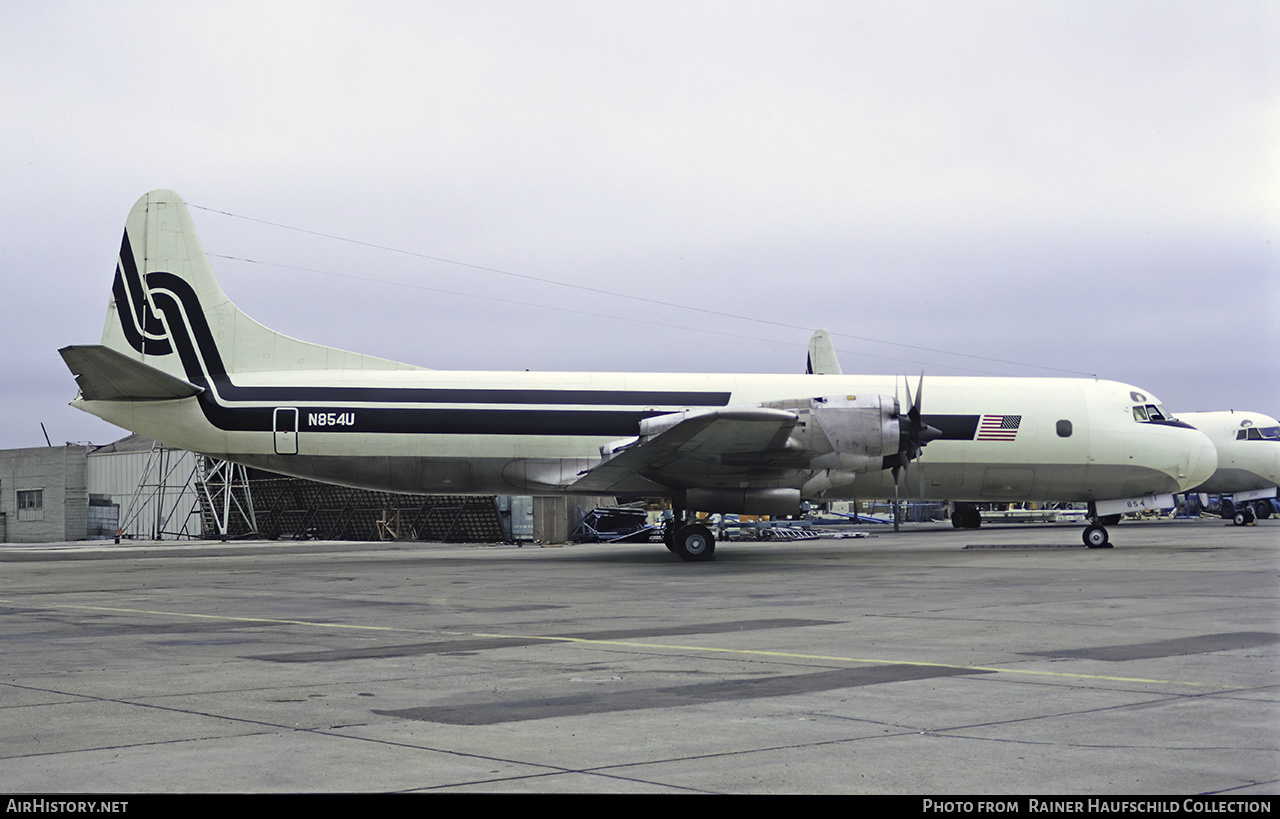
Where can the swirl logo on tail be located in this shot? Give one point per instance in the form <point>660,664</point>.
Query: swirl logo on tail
<point>143,329</point>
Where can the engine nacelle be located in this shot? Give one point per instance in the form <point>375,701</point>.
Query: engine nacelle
<point>860,431</point>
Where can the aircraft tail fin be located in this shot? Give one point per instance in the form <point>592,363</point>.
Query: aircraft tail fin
<point>822,355</point>
<point>168,311</point>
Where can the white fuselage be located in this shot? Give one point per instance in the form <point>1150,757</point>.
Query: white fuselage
<point>1248,445</point>
<point>534,433</point>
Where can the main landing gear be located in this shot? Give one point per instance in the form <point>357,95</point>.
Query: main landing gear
<point>966,516</point>
<point>690,540</point>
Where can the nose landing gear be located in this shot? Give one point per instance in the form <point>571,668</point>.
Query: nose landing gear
<point>1096,537</point>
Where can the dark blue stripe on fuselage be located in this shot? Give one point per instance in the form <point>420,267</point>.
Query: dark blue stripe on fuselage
<point>175,298</point>
<point>953,427</point>
<point>433,395</point>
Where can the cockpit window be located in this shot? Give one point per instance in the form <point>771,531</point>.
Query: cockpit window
<point>1150,413</point>
<point>1259,434</point>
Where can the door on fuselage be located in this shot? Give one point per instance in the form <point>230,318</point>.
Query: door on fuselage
<point>286,430</point>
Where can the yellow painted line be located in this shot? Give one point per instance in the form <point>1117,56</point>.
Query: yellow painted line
<point>867,660</point>
<point>787,655</point>
<point>118,610</point>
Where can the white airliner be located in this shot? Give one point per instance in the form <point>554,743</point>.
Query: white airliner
<point>181,364</point>
<point>1248,445</point>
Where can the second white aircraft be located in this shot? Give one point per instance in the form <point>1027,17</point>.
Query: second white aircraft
<point>1248,445</point>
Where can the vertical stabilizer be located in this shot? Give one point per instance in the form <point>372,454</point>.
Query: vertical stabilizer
<point>168,311</point>
<point>822,355</point>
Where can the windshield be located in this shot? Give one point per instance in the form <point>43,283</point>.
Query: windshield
<point>1150,413</point>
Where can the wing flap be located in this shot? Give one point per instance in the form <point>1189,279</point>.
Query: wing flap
<point>104,374</point>
<point>686,443</point>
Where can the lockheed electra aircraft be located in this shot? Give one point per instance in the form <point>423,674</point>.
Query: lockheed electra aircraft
<point>1248,445</point>
<point>181,364</point>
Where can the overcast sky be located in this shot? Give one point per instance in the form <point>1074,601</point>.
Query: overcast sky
<point>1046,188</point>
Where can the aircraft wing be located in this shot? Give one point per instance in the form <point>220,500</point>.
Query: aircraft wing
<point>104,374</point>
<point>694,448</point>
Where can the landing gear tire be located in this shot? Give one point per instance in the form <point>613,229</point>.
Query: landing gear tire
<point>694,543</point>
<point>1096,537</point>
<point>966,517</point>
<point>1262,509</point>
<point>1227,509</point>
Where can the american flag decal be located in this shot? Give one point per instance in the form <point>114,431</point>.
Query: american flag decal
<point>998,427</point>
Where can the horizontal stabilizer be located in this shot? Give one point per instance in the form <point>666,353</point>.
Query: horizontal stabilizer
<point>106,375</point>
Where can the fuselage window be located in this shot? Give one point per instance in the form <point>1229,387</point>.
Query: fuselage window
<point>1064,429</point>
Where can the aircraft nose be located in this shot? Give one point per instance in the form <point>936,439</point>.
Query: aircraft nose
<point>1201,462</point>
<point>1274,465</point>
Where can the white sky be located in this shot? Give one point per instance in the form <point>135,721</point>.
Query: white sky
<point>1092,187</point>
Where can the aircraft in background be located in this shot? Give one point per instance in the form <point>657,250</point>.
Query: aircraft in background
<point>181,364</point>
<point>1248,445</point>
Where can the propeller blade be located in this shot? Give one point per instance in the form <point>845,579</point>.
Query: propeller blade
<point>913,432</point>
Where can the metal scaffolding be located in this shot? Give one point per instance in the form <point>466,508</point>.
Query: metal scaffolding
<point>162,497</point>
<point>227,501</point>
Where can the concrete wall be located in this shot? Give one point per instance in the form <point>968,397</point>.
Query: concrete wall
<point>61,476</point>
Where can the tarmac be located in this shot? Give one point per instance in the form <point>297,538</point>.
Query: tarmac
<point>1006,660</point>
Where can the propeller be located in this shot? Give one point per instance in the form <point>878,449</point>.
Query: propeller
<point>913,434</point>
